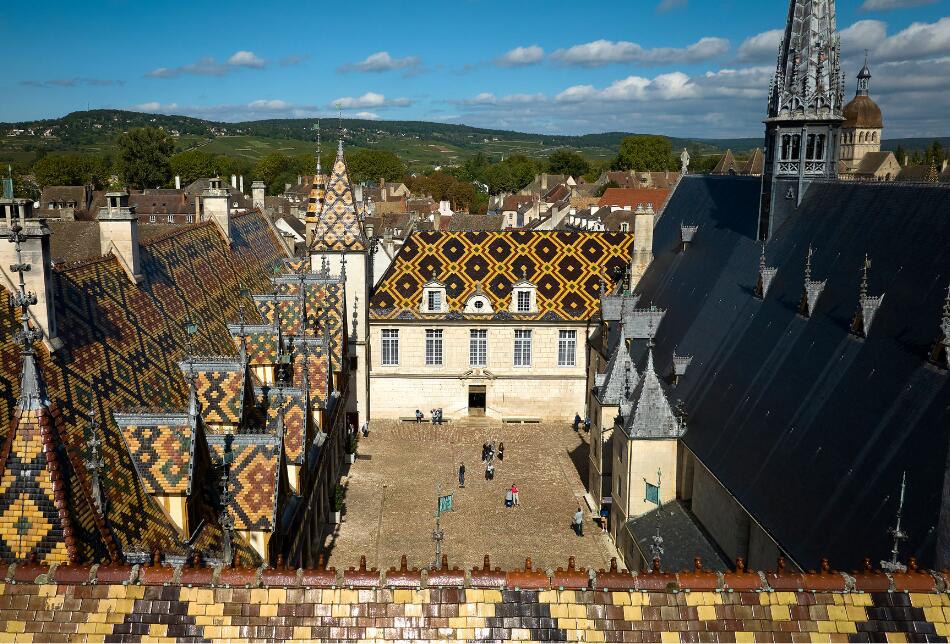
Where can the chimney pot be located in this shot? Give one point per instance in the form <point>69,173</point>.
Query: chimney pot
<point>177,182</point>
<point>234,181</point>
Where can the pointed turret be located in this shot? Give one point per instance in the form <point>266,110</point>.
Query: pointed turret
<point>47,507</point>
<point>317,193</point>
<point>652,416</point>
<point>338,225</point>
<point>621,377</point>
<point>804,110</point>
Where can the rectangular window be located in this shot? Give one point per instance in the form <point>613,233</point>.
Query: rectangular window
<point>151,219</point>
<point>524,302</point>
<point>478,348</point>
<point>190,219</point>
<point>434,347</point>
<point>390,353</point>
<point>171,219</point>
<point>435,301</point>
<point>566,348</point>
<point>522,348</point>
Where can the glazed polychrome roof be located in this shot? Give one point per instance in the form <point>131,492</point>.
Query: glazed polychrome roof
<point>220,389</point>
<point>295,427</point>
<point>162,448</point>
<point>122,342</point>
<point>256,477</point>
<point>338,226</point>
<point>566,267</point>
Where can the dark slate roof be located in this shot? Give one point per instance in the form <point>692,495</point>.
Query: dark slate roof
<point>774,398</point>
<point>683,539</point>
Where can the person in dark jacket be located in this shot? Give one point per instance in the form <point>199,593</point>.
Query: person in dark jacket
<point>577,422</point>
<point>461,474</point>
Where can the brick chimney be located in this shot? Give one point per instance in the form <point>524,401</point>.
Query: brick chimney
<point>216,204</point>
<point>643,220</point>
<point>257,194</point>
<point>36,252</point>
<point>119,233</point>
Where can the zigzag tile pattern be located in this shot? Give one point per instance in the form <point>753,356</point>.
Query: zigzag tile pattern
<point>566,267</point>
<point>123,342</point>
<point>338,225</point>
<point>162,453</point>
<point>255,477</point>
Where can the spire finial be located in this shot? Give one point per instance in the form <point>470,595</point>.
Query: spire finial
<point>899,535</point>
<point>762,259</point>
<point>94,462</point>
<point>225,519</point>
<point>319,147</point>
<point>808,263</point>
<point>339,148</point>
<point>864,277</point>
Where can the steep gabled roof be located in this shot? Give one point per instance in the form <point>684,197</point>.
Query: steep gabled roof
<point>338,226</point>
<point>621,376</point>
<point>256,477</point>
<point>726,165</point>
<point>652,416</point>
<point>162,447</point>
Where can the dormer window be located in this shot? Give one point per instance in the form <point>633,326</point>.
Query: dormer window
<point>433,297</point>
<point>478,303</point>
<point>524,297</point>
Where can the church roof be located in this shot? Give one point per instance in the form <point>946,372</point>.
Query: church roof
<point>566,266</point>
<point>338,225</point>
<point>772,396</point>
<point>122,344</point>
<point>862,112</point>
<point>873,161</point>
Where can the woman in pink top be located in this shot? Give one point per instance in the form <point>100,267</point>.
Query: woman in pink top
<point>514,494</point>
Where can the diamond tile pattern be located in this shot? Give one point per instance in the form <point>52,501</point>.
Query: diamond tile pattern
<point>566,267</point>
<point>122,343</point>
<point>163,453</point>
<point>338,226</point>
<point>256,477</point>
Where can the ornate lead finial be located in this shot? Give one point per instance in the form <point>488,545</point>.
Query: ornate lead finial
<point>864,276</point>
<point>94,462</point>
<point>867,304</point>
<point>339,147</point>
<point>808,263</point>
<point>319,147</point>
<point>225,520</point>
<point>812,289</point>
<point>32,393</point>
<point>898,534</point>
<point>356,302</point>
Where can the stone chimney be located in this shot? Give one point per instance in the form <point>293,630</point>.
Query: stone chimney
<point>177,182</point>
<point>241,184</point>
<point>216,204</point>
<point>36,252</point>
<point>257,194</point>
<point>234,181</point>
<point>642,244</point>
<point>119,233</point>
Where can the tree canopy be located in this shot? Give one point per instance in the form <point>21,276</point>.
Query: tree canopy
<point>72,170</point>
<point>143,157</point>
<point>568,162</point>
<point>645,153</point>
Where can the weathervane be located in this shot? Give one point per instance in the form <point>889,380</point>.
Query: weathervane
<point>225,520</point>
<point>95,462</point>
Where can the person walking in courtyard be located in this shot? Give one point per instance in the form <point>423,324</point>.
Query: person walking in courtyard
<point>509,499</point>
<point>490,471</point>
<point>514,494</point>
<point>587,424</point>
<point>365,429</point>
<point>579,522</point>
<point>484,451</point>
<point>461,474</point>
<point>418,416</point>
<point>577,421</point>
<point>501,451</point>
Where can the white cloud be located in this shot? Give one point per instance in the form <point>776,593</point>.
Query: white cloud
<point>669,5</point>
<point>862,35</point>
<point>887,5</point>
<point>487,98</point>
<point>665,87</point>
<point>155,106</point>
<point>370,116</point>
<point>919,40</point>
<point>605,52</point>
<point>208,66</point>
<point>381,61</point>
<point>368,100</point>
<point>273,104</point>
<point>760,47</point>
<point>246,59</point>
<point>521,56</point>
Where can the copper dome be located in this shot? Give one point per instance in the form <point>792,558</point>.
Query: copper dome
<point>862,112</point>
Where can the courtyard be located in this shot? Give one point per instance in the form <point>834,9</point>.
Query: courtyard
<point>392,487</point>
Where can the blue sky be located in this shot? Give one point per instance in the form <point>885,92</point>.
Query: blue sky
<point>679,67</point>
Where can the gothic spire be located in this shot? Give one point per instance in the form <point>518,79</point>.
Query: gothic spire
<point>808,75</point>
<point>864,78</point>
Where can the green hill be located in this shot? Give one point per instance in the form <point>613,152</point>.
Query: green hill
<point>419,143</point>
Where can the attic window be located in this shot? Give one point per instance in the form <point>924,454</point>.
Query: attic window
<point>478,303</point>
<point>524,297</point>
<point>433,297</point>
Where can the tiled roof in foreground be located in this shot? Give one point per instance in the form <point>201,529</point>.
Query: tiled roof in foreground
<point>481,604</point>
<point>122,344</point>
<point>566,267</point>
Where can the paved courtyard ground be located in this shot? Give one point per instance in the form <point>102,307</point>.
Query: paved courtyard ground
<point>391,498</point>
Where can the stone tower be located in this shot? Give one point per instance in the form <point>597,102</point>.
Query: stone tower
<point>804,113</point>
<point>863,126</point>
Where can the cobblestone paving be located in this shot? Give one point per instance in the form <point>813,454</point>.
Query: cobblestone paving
<point>391,491</point>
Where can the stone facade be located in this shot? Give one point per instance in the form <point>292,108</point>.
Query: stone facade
<point>542,390</point>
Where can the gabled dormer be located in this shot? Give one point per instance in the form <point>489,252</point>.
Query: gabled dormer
<point>433,297</point>
<point>524,296</point>
<point>478,303</point>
